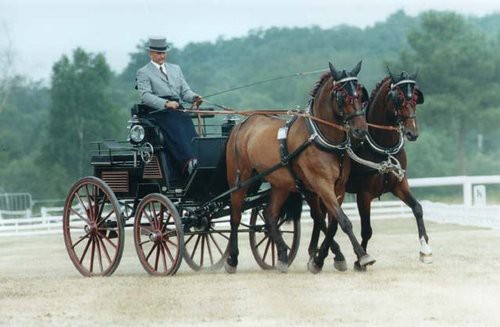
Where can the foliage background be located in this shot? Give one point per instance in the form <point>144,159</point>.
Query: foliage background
<point>45,131</point>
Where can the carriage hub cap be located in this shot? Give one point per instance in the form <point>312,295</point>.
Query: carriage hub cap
<point>156,237</point>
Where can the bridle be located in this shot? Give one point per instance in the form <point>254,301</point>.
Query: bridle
<point>342,96</point>
<point>401,101</point>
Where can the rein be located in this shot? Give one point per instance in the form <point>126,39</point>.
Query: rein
<point>247,113</point>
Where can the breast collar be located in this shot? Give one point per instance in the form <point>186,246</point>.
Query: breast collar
<point>318,138</point>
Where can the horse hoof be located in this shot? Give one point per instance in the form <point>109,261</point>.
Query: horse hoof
<point>312,267</point>
<point>281,267</point>
<point>340,265</point>
<point>358,267</point>
<point>425,258</point>
<point>229,269</point>
<point>366,260</point>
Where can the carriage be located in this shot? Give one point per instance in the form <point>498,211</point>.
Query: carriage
<point>172,217</point>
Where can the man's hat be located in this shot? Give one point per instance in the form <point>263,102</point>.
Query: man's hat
<point>158,44</point>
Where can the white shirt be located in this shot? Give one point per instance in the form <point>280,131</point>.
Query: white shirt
<point>158,67</point>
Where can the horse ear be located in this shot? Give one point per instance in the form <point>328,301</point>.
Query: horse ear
<point>365,97</point>
<point>420,96</point>
<point>414,76</point>
<point>393,78</point>
<point>355,70</point>
<point>335,74</point>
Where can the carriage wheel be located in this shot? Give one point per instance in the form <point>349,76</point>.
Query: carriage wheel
<point>263,247</point>
<point>158,236</point>
<point>206,247</point>
<point>93,227</point>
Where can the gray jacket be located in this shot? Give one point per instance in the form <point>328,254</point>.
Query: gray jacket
<point>152,85</point>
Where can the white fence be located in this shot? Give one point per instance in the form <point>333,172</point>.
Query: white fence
<point>21,222</point>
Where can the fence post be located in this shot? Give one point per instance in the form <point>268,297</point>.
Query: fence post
<point>467,189</point>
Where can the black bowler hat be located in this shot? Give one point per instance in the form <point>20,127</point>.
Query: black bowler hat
<point>158,44</point>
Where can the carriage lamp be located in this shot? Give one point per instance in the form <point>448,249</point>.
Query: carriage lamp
<point>137,133</point>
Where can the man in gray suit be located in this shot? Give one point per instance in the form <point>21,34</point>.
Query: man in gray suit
<point>162,86</point>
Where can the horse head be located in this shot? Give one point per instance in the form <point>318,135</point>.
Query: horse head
<point>349,99</point>
<point>404,95</point>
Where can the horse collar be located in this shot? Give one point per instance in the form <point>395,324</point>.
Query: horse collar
<point>318,138</point>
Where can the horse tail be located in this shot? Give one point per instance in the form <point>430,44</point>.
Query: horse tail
<point>292,209</point>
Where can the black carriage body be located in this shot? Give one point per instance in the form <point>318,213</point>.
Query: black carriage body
<point>121,166</point>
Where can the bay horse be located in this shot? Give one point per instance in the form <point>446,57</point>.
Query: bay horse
<point>392,103</point>
<point>311,153</point>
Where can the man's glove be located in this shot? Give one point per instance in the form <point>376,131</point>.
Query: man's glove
<point>197,100</point>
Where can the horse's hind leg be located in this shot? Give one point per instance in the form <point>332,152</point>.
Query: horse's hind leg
<point>236,205</point>
<point>271,214</point>
<point>403,192</point>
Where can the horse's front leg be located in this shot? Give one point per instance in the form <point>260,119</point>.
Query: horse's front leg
<point>402,191</point>
<point>318,217</point>
<point>327,194</point>
<point>364,200</point>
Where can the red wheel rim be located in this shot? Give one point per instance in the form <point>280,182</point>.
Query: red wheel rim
<point>158,235</point>
<point>93,228</point>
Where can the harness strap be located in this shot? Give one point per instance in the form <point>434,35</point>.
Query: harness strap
<point>284,154</point>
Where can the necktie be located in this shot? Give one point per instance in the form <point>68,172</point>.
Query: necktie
<point>164,74</point>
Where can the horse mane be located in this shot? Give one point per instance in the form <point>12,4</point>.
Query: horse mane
<point>377,87</point>
<point>320,83</point>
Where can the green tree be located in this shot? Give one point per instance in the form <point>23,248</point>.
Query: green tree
<point>82,111</point>
<point>457,76</point>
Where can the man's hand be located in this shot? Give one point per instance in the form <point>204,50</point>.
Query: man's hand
<point>197,100</point>
<point>171,104</point>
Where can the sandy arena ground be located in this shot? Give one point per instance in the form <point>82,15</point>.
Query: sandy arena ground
<point>40,286</point>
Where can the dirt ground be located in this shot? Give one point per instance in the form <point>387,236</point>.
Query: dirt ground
<point>40,286</point>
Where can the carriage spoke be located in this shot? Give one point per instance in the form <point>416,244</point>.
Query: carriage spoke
<point>195,246</point>
<point>105,218</point>
<point>92,253</point>
<point>189,239</point>
<point>262,241</point>
<point>172,243</point>
<point>105,250</point>
<point>81,239</point>
<point>169,253</point>
<point>266,249</point>
<point>209,250</point>
<point>202,249</point>
<point>85,250</point>
<point>273,253</point>
<point>220,233</point>
<point>216,244</point>
<point>150,252</point>
<point>90,205</point>
<point>104,237</point>
<point>99,255</point>
<point>78,214</point>
<point>164,261</point>
<point>158,250</point>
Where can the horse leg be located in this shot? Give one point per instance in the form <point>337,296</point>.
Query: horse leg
<point>403,192</point>
<point>364,208</point>
<point>271,215</point>
<point>236,204</point>
<point>333,208</point>
<point>339,262</point>
<point>318,217</point>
